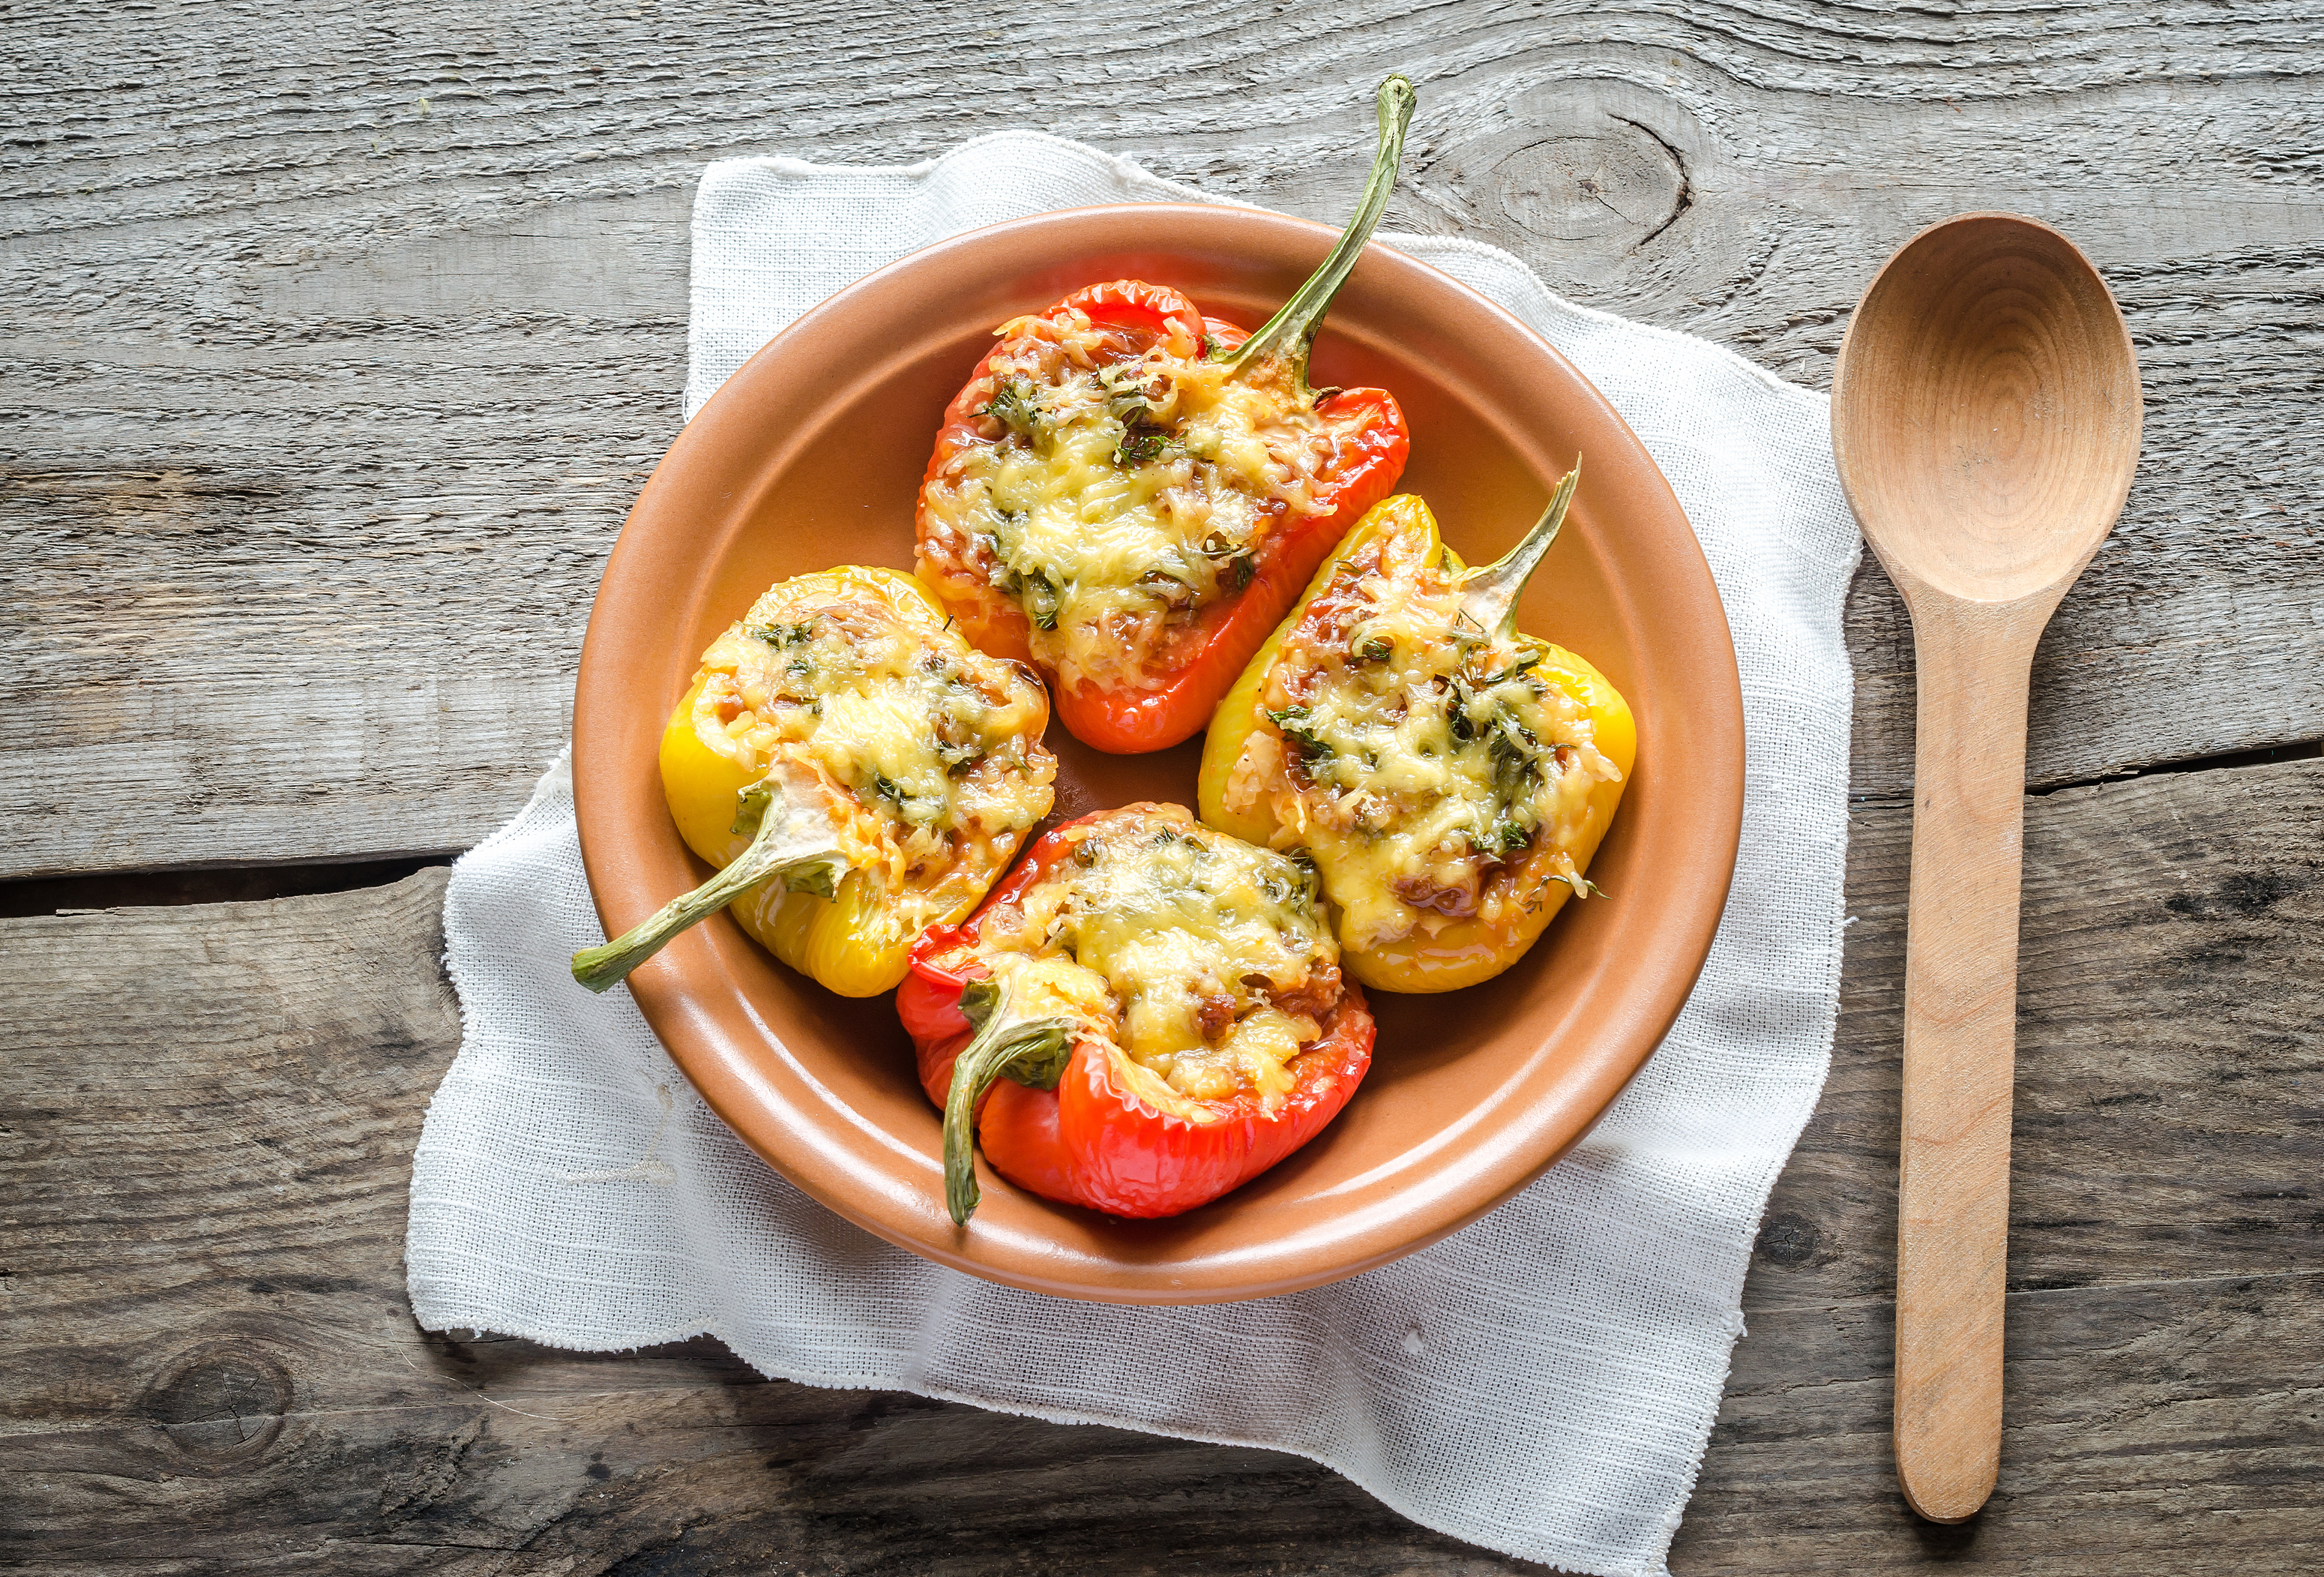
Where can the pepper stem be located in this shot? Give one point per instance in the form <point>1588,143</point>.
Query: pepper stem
<point>1489,596</point>
<point>794,842</point>
<point>1290,334</point>
<point>1029,1051</point>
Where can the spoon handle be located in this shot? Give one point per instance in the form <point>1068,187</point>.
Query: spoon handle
<point>1960,1009</point>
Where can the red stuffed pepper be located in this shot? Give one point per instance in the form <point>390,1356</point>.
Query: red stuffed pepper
<point>1130,495</point>
<point>1145,1015</point>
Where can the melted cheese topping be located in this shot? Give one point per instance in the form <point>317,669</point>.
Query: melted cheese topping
<point>1431,772</point>
<point>926,750</point>
<point>1118,487</point>
<point>1201,957</point>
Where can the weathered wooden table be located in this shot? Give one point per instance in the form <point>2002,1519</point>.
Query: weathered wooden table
<point>337,341</point>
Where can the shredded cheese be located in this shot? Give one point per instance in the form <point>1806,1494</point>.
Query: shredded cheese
<point>1120,484</point>
<point>1432,773</point>
<point>1203,958</point>
<point>928,750</point>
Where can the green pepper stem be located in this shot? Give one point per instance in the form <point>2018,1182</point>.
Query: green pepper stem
<point>1290,334</point>
<point>1028,1051</point>
<point>1489,596</point>
<point>794,842</point>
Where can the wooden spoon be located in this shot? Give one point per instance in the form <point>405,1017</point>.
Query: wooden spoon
<point>1985,413</point>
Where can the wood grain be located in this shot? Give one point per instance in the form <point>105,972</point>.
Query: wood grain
<point>208,1113</point>
<point>339,340</point>
<point>1959,1043</point>
<point>2166,1139</point>
<point>1984,419</point>
<point>2168,1125</point>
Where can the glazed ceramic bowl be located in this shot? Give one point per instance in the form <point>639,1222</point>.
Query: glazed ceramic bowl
<point>811,456</point>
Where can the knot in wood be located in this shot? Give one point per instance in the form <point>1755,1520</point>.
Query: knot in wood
<point>1584,165</point>
<point>220,1402</point>
<point>1787,1239</point>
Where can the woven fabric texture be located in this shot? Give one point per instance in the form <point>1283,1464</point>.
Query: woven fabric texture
<point>1543,1382</point>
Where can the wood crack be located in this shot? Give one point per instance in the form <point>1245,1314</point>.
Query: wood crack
<point>1685,197</point>
<point>2265,755</point>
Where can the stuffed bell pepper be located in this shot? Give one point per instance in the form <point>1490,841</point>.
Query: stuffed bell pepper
<point>1144,1016</point>
<point>855,769</point>
<point>1128,494</point>
<point>1450,777</point>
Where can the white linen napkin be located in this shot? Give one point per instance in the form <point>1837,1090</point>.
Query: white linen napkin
<point>1542,1383</point>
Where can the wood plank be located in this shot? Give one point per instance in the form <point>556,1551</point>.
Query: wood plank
<point>340,341</point>
<point>208,1113</point>
<point>2114,1457</point>
<point>2167,1123</point>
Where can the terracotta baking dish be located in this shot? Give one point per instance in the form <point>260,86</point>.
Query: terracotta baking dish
<point>811,456</point>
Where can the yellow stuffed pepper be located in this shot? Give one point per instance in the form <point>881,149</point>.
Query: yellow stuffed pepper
<point>857,771</point>
<point>1450,777</point>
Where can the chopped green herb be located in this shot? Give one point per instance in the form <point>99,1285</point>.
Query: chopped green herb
<point>1529,661</point>
<point>1039,597</point>
<point>781,636</point>
<point>1126,396</point>
<point>1138,445</point>
<point>1297,726</point>
<point>1239,568</point>
<point>902,800</point>
<point>1516,772</point>
<point>1016,404</point>
<point>1457,702</point>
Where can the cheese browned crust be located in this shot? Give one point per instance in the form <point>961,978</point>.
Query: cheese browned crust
<point>926,750</point>
<point>1203,958</point>
<point>1116,488</point>
<point>1430,771</point>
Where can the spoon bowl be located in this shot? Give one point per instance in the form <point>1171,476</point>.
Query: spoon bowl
<point>1986,409</point>
<point>1985,414</point>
